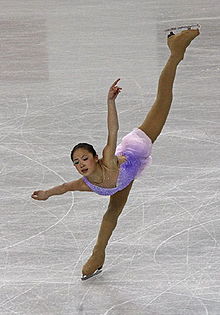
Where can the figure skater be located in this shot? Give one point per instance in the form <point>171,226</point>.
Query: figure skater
<point>115,172</point>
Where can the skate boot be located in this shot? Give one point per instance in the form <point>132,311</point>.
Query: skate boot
<point>94,265</point>
<point>178,43</point>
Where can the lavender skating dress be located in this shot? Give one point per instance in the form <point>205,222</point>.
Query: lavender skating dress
<point>136,147</point>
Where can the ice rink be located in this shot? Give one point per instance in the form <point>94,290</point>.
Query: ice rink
<point>57,61</point>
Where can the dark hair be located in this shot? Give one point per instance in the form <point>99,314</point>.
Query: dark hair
<point>86,146</point>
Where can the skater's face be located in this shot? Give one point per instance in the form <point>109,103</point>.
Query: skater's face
<point>84,161</point>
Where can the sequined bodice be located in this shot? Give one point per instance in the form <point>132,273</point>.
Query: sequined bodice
<point>120,178</point>
<point>109,175</point>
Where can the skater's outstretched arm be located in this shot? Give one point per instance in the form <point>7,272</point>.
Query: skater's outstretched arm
<point>76,185</point>
<point>113,125</point>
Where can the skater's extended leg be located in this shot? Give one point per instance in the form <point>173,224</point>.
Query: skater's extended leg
<point>157,115</point>
<point>109,222</point>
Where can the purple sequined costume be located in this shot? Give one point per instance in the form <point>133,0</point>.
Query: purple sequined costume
<point>136,146</point>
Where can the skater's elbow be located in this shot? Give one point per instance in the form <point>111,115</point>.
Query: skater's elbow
<point>68,187</point>
<point>72,186</point>
<point>65,187</point>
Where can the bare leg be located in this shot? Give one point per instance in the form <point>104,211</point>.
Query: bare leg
<point>109,222</point>
<point>157,116</point>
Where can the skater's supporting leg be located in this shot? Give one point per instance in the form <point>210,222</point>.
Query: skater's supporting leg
<point>109,222</point>
<point>157,116</point>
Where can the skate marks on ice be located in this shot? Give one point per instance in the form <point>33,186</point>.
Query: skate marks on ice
<point>170,263</point>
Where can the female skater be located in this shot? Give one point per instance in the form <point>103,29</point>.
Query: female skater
<point>115,172</point>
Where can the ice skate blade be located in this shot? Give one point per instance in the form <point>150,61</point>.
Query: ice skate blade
<point>85,277</point>
<point>183,27</point>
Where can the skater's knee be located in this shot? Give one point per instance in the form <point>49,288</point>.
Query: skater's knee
<point>113,211</point>
<point>118,200</point>
<point>116,206</point>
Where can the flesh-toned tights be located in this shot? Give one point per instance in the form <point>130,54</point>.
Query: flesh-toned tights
<point>152,126</point>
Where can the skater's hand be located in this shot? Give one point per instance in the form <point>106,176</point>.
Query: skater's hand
<point>114,91</point>
<point>40,195</point>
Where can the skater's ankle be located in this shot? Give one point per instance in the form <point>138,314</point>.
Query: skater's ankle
<point>99,250</point>
<point>176,58</point>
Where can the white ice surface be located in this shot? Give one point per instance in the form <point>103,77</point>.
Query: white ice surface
<point>57,61</point>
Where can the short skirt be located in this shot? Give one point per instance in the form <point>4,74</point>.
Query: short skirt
<point>137,147</point>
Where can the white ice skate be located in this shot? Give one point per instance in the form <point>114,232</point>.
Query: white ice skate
<point>173,30</point>
<point>85,277</point>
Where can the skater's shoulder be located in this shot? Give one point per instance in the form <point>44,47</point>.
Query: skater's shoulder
<point>114,164</point>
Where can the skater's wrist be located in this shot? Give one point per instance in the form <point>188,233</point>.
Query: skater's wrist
<point>47,194</point>
<point>58,190</point>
